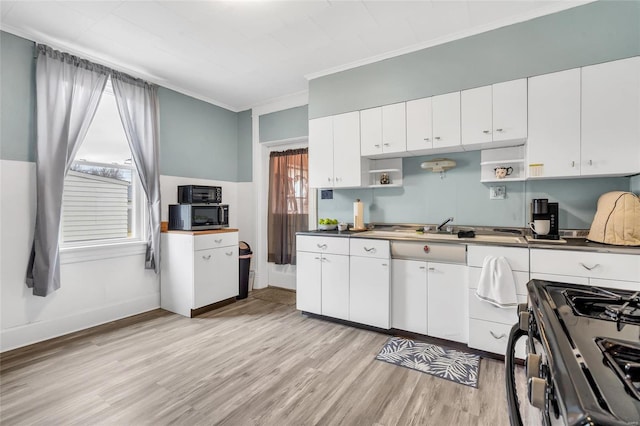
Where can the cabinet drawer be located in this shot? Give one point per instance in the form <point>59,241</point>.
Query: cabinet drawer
<point>334,245</point>
<point>369,248</point>
<point>517,257</point>
<point>481,310</point>
<point>623,267</point>
<point>521,279</point>
<point>209,241</point>
<point>492,337</point>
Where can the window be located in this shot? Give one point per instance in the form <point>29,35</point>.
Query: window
<point>288,210</point>
<point>102,195</point>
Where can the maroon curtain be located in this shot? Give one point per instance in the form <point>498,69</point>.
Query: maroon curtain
<point>288,203</point>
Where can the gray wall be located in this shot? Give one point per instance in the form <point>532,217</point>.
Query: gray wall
<point>197,139</point>
<point>426,198</point>
<point>245,147</point>
<point>17,99</point>
<point>635,184</point>
<point>589,34</point>
<point>285,124</point>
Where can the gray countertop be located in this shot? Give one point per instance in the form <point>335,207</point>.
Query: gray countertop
<point>580,244</point>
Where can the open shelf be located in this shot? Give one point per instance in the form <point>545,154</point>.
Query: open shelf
<point>390,166</point>
<point>512,157</point>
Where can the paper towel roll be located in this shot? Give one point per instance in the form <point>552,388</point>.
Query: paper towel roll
<point>358,214</point>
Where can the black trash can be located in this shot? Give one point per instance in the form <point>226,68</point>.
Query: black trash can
<point>245,262</point>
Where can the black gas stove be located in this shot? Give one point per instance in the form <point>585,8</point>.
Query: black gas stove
<point>583,365</point>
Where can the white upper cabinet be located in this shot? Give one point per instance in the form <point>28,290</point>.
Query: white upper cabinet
<point>383,130</point>
<point>347,168</point>
<point>419,125</point>
<point>321,152</point>
<point>611,118</point>
<point>495,116</point>
<point>446,122</point>
<point>334,151</point>
<point>553,146</point>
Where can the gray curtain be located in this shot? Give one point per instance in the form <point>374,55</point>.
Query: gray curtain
<point>68,93</point>
<point>138,106</point>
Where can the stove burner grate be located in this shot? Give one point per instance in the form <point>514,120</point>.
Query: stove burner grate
<point>605,305</point>
<point>624,358</point>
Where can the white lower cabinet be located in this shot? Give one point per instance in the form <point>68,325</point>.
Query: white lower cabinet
<point>409,295</point>
<point>369,283</point>
<point>322,276</point>
<point>197,270</point>
<point>446,301</point>
<point>429,298</point>
<point>489,325</point>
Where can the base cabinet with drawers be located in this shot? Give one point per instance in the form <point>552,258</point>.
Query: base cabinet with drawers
<point>489,325</point>
<point>610,270</point>
<point>197,270</point>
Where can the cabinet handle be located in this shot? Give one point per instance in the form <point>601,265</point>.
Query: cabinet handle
<point>427,139</point>
<point>432,268</point>
<point>423,267</point>
<point>437,138</point>
<point>229,253</point>
<point>500,130</point>
<point>316,258</point>
<point>328,179</point>
<point>218,241</point>
<point>324,259</point>
<point>495,336</point>
<point>322,246</point>
<point>573,164</point>
<point>370,250</point>
<point>587,268</point>
<point>590,163</point>
<point>386,144</point>
<point>385,264</point>
<point>486,132</point>
<point>377,145</point>
<point>207,257</point>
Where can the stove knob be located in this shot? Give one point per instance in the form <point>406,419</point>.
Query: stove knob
<point>524,321</point>
<point>537,389</point>
<point>533,365</point>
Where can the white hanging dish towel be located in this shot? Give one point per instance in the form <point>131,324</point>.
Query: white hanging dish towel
<point>497,285</point>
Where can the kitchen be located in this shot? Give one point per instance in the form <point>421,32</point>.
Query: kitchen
<point>424,197</point>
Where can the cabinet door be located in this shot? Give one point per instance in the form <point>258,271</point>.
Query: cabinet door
<point>394,128</point>
<point>447,301</point>
<point>409,295</point>
<point>369,291</point>
<point>335,286</point>
<point>419,125</point>
<point>308,282</point>
<point>321,152</point>
<point>476,116</point>
<point>446,120</point>
<point>371,131</point>
<point>346,150</point>
<point>510,111</point>
<point>215,275</point>
<point>610,117</point>
<point>554,124</point>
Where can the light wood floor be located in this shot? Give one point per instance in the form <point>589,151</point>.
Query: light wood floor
<point>250,363</point>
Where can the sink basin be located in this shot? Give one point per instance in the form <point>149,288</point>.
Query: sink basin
<point>429,236</point>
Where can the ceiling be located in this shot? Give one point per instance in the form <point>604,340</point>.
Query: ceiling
<point>240,54</point>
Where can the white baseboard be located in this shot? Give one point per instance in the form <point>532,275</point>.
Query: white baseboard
<point>28,334</point>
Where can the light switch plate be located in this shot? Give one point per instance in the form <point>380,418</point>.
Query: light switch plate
<point>497,192</point>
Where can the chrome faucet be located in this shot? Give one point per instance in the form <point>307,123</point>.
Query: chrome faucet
<point>439,227</point>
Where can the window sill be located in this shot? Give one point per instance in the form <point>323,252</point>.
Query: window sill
<point>87,253</point>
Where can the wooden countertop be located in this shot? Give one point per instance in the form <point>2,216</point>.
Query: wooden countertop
<point>208,231</point>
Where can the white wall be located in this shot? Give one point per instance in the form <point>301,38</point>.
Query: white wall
<point>97,286</point>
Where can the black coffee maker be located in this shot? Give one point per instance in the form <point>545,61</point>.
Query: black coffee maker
<point>544,215</point>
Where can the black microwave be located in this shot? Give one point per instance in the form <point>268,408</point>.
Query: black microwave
<point>199,194</point>
<point>198,217</point>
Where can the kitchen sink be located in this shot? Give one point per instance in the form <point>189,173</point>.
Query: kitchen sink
<point>405,234</point>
